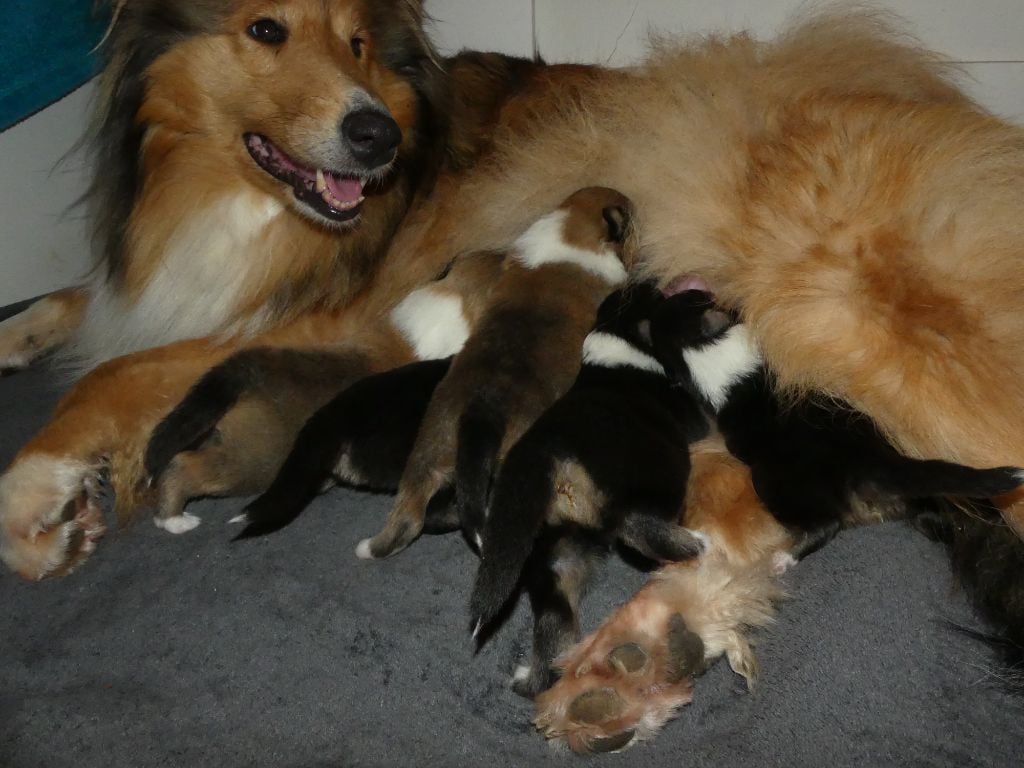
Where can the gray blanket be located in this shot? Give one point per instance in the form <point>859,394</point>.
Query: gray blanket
<point>289,652</point>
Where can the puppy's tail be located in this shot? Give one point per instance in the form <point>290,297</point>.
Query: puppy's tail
<point>519,506</point>
<point>481,430</point>
<point>988,561</point>
<point>915,478</point>
<point>282,373</point>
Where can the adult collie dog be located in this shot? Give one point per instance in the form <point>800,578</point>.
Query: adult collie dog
<point>833,186</point>
<point>252,161</point>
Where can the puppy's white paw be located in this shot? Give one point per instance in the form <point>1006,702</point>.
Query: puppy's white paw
<point>178,523</point>
<point>363,550</point>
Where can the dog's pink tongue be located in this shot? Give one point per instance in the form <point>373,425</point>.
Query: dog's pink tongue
<point>686,282</point>
<point>346,190</point>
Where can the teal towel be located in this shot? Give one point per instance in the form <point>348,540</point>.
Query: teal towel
<point>45,53</point>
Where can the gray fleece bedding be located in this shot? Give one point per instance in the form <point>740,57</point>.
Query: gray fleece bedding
<point>289,652</point>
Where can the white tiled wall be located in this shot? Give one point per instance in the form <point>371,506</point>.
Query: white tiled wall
<point>987,35</point>
<point>43,241</point>
<point>42,247</point>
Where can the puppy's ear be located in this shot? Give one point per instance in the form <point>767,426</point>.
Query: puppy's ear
<point>715,322</point>
<point>617,219</point>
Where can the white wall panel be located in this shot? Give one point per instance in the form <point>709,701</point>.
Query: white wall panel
<point>44,245</point>
<point>1000,87</point>
<point>593,30</point>
<point>490,25</point>
<point>987,33</point>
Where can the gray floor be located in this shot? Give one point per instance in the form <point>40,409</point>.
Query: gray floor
<point>289,652</point>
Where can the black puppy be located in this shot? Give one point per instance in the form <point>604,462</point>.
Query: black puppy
<point>608,461</point>
<point>816,463</point>
<point>363,438</point>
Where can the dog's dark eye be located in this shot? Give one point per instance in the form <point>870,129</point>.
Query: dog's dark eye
<point>357,44</point>
<point>267,31</point>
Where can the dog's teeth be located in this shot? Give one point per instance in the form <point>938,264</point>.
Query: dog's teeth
<point>337,204</point>
<point>321,184</point>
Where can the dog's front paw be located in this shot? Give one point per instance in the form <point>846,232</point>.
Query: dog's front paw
<point>51,514</point>
<point>621,684</point>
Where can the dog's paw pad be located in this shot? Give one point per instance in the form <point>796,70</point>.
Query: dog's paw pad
<point>596,706</point>
<point>685,651</point>
<point>604,744</point>
<point>621,684</point>
<point>628,658</point>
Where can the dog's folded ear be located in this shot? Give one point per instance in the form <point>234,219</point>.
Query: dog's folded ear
<point>617,219</point>
<point>714,322</point>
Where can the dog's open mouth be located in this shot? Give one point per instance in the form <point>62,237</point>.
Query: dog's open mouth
<point>333,195</point>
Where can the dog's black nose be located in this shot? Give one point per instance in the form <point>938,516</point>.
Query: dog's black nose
<point>372,136</point>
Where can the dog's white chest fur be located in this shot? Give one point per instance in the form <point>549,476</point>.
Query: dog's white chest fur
<point>204,271</point>
<point>715,367</point>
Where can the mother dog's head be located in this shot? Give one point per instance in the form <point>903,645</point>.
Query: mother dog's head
<point>333,108</point>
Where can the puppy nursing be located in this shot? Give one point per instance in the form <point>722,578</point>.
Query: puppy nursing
<point>815,463</point>
<point>236,425</point>
<point>609,460</point>
<point>524,354</point>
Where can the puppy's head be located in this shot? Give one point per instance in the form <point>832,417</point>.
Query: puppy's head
<point>591,230</point>
<point>600,220</point>
<point>687,321</point>
<point>627,313</point>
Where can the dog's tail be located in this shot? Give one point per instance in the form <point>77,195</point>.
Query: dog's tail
<point>280,372</point>
<point>988,561</point>
<point>481,430</point>
<point>518,508</point>
<point>917,478</point>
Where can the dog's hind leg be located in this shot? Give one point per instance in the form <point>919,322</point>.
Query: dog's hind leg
<point>45,325</point>
<point>624,681</point>
<point>407,518</point>
<point>556,579</point>
<point>664,541</point>
<point>229,462</point>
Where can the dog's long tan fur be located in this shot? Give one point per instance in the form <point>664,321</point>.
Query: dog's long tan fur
<point>834,184</point>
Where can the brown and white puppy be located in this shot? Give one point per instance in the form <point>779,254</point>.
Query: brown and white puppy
<point>524,354</point>
<point>271,392</point>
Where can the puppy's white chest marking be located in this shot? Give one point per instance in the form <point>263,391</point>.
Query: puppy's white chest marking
<point>433,323</point>
<point>717,366</point>
<point>610,351</point>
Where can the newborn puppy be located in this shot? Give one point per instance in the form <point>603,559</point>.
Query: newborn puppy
<point>523,355</point>
<point>234,428</point>
<point>816,463</point>
<point>362,438</point>
<point>608,461</point>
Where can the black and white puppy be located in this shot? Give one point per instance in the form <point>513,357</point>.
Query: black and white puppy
<point>816,463</point>
<point>609,461</point>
